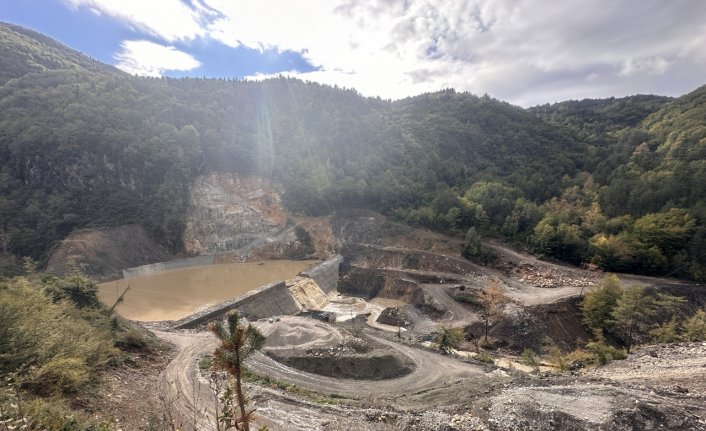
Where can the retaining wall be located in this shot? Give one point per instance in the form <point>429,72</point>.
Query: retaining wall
<point>271,299</point>
<point>163,266</point>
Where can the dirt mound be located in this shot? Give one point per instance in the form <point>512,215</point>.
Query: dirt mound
<point>316,347</point>
<point>298,333</point>
<point>394,257</point>
<point>547,276</point>
<point>393,316</point>
<point>375,365</point>
<point>104,253</point>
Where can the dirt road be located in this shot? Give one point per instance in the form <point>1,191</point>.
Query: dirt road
<point>192,401</point>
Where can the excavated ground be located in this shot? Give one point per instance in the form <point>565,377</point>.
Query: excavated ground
<point>315,347</point>
<point>353,375</point>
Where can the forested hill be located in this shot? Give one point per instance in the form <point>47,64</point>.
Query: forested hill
<point>23,50</point>
<point>83,144</point>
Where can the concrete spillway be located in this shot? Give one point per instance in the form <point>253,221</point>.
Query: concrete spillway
<point>307,293</point>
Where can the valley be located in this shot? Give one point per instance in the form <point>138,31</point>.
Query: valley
<point>443,261</point>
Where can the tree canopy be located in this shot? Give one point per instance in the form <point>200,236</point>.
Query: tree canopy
<point>615,182</point>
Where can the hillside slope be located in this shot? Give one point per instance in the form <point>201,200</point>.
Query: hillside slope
<point>84,145</point>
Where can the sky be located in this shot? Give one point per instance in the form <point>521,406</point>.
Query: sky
<point>526,52</point>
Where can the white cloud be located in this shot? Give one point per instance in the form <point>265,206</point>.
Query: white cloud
<point>170,20</point>
<point>142,57</point>
<point>649,66</point>
<point>526,52</point>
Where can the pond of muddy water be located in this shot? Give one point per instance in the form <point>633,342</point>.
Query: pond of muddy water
<point>176,293</point>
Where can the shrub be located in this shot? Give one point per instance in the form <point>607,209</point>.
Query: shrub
<point>131,339</point>
<point>448,339</point>
<point>58,374</point>
<point>484,358</point>
<point>666,333</point>
<point>604,353</point>
<point>598,304</point>
<point>528,357</point>
<point>694,328</point>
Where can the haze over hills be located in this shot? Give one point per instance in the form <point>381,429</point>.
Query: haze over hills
<point>615,182</point>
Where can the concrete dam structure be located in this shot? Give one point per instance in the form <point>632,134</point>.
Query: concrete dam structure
<point>153,268</point>
<point>274,299</point>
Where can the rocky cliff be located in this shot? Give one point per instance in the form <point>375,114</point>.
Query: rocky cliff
<point>229,213</point>
<point>239,217</point>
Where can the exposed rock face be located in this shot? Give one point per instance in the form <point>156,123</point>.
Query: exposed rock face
<point>229,213</point>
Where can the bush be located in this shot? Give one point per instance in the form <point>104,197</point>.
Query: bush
<point>598,304</point>
<point>467,298</point>
<point>474,250</point>
<point>304,239</point>
<point>694,328</point>
<point>49,343</point>
<point>131,339</point>
<point>59,374</point>
<point>578,359</point>
<point>487,343</point>
<point>558,358</point>
<point>666,333</point>
<point>484,358</point>
<point>604,353</point>
<point>448,339</point>
<point>528,357</point>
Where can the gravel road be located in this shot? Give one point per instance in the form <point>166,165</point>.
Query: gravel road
<point>193,401</point>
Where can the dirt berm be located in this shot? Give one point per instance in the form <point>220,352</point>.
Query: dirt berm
<point>316,347</point>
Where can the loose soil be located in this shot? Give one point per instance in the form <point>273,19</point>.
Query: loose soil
<point>104,253</point>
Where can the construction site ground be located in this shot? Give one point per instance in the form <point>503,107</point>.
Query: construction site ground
<point>358,373</point>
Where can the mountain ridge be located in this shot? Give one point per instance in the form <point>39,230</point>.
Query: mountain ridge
<point>85,145</point>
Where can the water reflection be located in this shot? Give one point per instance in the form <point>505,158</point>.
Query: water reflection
<point>176,293</point>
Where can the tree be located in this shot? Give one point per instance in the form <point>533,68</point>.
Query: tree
<point>637,311</point>
<point>75,286</point>
<point>694,328</point>
<point>474,250</point>
<point>238,340</point>
<point>492,301</point>
<point>598,304</point>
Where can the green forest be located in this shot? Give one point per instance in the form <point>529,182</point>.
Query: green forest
<point>615,183</point>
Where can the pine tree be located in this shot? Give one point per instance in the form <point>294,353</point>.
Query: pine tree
<point>238,341</point>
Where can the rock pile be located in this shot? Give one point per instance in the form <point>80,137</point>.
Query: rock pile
<point>546,277</point>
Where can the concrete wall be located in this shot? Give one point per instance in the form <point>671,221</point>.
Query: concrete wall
<point>271,299</point>
<point>163,266</point>
<point>325,274</point>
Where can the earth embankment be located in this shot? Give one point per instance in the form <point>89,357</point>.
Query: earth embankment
<point>104,253</point>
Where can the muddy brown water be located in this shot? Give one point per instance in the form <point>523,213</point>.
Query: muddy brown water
<point>176,293</point>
